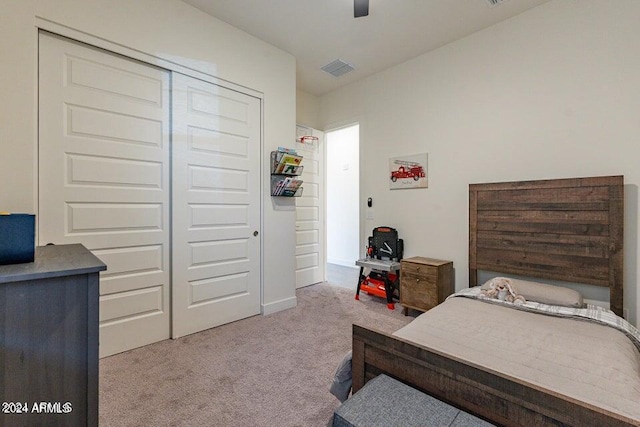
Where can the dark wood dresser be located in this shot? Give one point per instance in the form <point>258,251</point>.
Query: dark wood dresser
<point>49,339</point>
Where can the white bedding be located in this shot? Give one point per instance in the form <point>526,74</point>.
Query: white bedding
<point>590,362</point>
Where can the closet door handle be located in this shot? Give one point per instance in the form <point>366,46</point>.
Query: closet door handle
<point>255,233</point>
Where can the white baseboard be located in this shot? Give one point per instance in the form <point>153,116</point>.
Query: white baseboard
<point>283,304</point>
<point>342,262</point>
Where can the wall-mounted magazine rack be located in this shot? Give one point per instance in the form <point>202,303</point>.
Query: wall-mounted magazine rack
<point>285,171</point>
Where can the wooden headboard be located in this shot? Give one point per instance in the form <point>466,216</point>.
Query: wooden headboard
<point>560,229</point>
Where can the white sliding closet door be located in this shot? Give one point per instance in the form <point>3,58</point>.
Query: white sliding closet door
<point>104,180</point>
<point>216,205</point>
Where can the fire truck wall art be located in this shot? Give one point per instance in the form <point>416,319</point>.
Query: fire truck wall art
<point>408,172</point>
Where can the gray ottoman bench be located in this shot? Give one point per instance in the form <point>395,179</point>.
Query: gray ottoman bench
<point>385,402</point>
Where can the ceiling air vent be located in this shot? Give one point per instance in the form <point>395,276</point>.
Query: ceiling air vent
<point>494,3</point>
<point>338,68</point>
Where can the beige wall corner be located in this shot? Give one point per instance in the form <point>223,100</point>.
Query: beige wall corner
<point>308,109</point>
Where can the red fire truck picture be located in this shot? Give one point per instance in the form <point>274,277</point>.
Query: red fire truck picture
<point>407,169</point>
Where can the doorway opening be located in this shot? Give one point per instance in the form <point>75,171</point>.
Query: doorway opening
<point>343,212</point>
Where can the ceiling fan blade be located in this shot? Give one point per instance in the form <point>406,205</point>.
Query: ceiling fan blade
<point>360,8</point>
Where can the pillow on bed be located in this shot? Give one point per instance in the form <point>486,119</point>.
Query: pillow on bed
<point>545,294</point>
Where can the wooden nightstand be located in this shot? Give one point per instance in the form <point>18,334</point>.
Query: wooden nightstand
<point>424,282</point>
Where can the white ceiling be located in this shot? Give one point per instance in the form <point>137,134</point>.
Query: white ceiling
<point>317,32</point>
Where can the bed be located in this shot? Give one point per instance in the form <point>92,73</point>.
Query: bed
<point>558,230</point>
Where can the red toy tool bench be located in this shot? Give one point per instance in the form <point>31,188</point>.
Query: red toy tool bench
<point>383,259</point>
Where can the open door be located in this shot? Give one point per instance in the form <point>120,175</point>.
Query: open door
<point>310,258</point>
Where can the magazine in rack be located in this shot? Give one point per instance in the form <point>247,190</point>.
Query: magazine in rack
<point>285,171</point>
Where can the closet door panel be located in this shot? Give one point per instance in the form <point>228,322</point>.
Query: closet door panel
<point>104,144</point>
<point>216,205</point>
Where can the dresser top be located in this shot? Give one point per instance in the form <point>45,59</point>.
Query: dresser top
<point>427,261</point>
<point>53,261</point>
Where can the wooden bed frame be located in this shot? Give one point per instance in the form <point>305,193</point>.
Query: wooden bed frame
<point>564,229</point>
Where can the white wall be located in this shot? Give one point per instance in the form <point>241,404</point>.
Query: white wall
<point>551,93</point>
<point>166,29</point>
<point>342,177</point>
<point>307,109</point>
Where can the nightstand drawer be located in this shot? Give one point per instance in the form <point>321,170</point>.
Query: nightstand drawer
<point>420,270</point>
<point>418,292</point>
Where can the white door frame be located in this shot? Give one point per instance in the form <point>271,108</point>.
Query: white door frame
<point>356,121</point>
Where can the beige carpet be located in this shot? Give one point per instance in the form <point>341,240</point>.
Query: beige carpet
<point>263,371</point>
